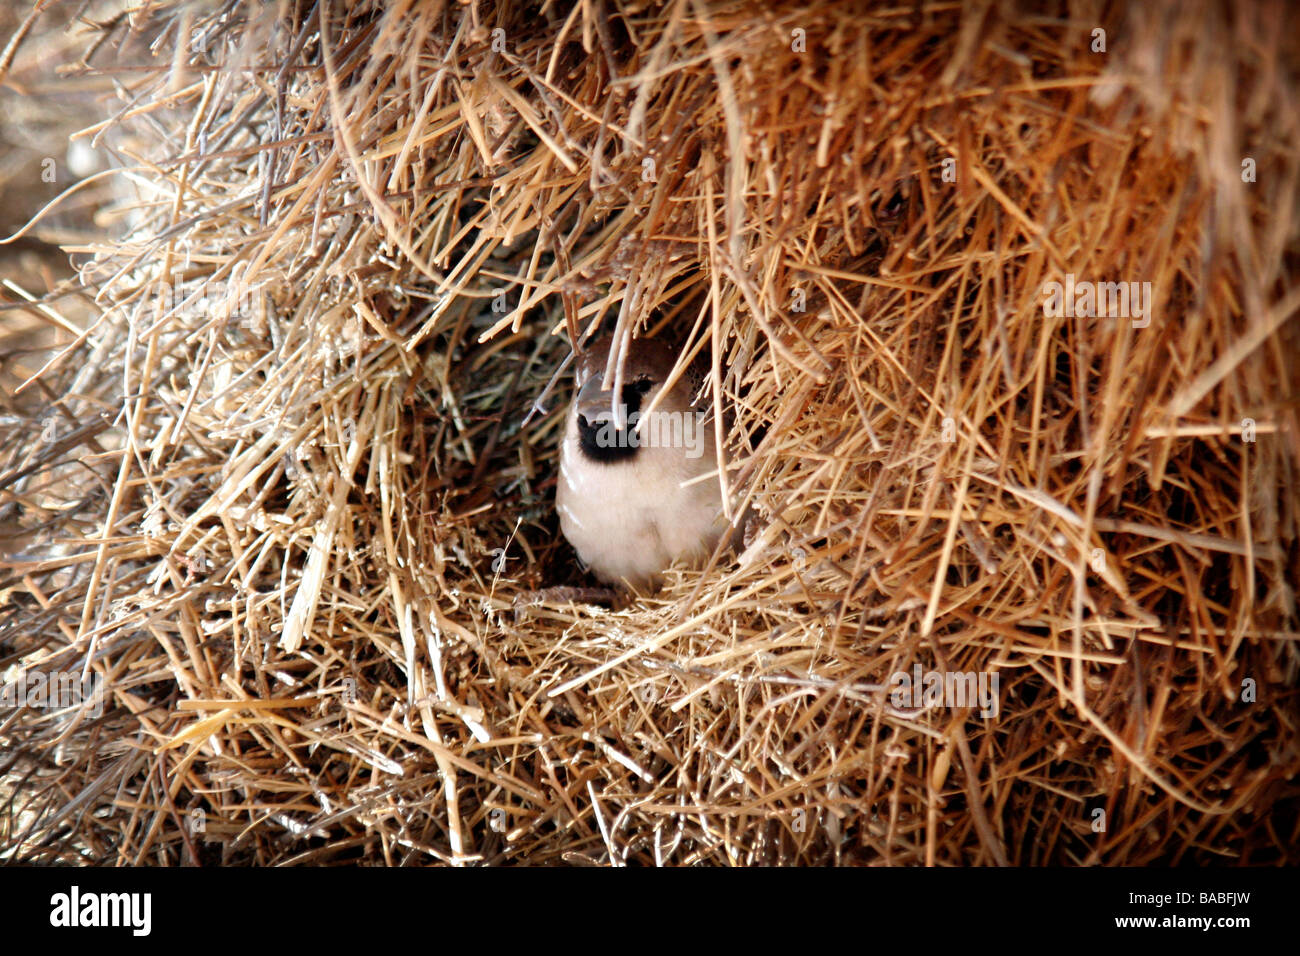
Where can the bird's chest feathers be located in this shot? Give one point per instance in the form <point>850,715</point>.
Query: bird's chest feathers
<point>638,511</point>
<point>627,492</point>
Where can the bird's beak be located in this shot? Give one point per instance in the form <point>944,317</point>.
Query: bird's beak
<point>596,406</point>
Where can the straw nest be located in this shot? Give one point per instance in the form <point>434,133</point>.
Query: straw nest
<point>278,497</point>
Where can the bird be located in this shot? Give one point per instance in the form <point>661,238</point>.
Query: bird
<point>625,496</point>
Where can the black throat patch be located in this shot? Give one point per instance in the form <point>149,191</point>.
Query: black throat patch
<point>601,442</point>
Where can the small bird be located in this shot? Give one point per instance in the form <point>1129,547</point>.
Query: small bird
<point>624,499</point>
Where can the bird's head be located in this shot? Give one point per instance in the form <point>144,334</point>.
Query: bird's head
<point>607,426</point>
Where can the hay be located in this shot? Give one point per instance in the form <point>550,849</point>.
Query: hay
<point>291,520</point>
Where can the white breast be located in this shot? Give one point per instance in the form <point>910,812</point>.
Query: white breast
<point>632,519</point>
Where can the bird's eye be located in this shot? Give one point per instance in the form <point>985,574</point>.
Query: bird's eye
<point>633,392</point>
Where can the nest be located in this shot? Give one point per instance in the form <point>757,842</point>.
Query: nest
<point>1001,309</point>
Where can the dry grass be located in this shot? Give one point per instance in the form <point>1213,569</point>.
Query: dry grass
<point>292,531</point>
